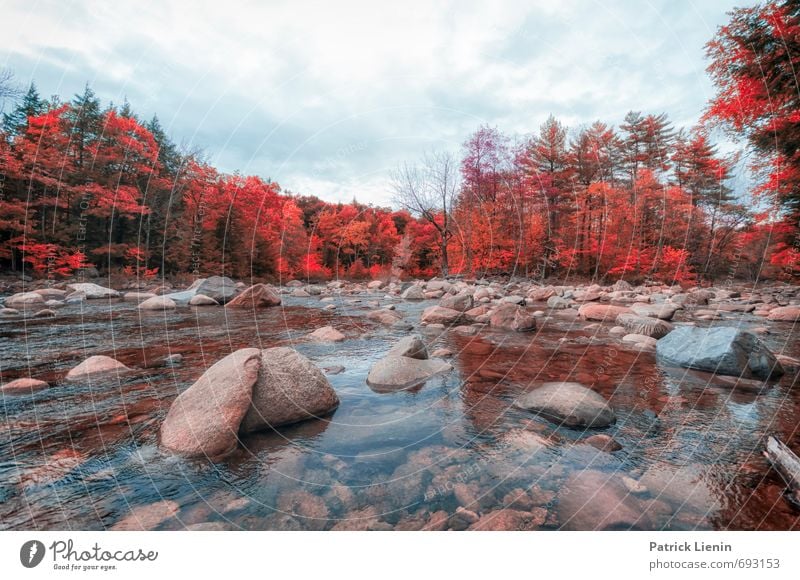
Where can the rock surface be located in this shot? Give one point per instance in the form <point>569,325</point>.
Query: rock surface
<point>220,288</point>
<point>569,404</point>
<point>158,303</point>
<point>96,366</point>
<point>93,291</point>
<point>785,314</point>
<point>512,317</point>
<point>601,312</point>
<point>327,334</point>
<point>723,350</point>
<point>205,418</point>
<point>23,386</point>
<point>256,296</point>
<point>290,388</point>
<point>653,327</point>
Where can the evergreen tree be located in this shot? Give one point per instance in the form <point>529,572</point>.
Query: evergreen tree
<point>31,105</point>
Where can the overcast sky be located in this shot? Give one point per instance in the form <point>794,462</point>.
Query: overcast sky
<point>327,97</point>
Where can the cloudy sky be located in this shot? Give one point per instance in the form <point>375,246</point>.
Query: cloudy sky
<point>327,97</point>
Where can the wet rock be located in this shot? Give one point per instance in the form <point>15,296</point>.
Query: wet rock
<point>622,286</point>
<point>518,300</point>
<point>512,317</point>
<point>734,307</point>
<point>640,340</point>
<point>463,519</point>
<point>476,313</point>
<point>23,386</point>
<point>52,293</point>
<point>289,389</point>
<point>256,296</point>
<point>510,520</point>
<point>411,347</point>
<point>603,442</point>
<point>785,314</point>
<point>55,468</point>
<point>202,300</point>
<point>209,527</point>
<point>96,366</point>
<point>660,311</point>
<point>569,404</point>
<point>541,294</point>
<point>594,500</point>
<point>387,317</point>
<point>413,293</point>
<point>310,510</point>
<point>205,418</point>
<point>601,312</point>
<point>653,327</point>
<point>158,303</point>
<point>148,517</point>
<point>137,296</point>
<point>722,350</point>
<point>442,352</point>
<point>399,372</point>
<point>559,303</point>
<point>93,291</point>
<point>24,300</point>
<point>300,293</point>
<point>327,334</point>
<point>221,289</point>
<point>9,312</point>
<point>441,315</point>
<point>334,370</point>
<point>44,313</point>
<point>460,302</point>
<point>376,284</point>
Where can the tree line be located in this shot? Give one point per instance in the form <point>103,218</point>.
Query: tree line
<point>85,185</point>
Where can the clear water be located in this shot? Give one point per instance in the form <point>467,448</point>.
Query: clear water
<point>82,457</point>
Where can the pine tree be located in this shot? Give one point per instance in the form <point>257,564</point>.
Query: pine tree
<point>31,105</point>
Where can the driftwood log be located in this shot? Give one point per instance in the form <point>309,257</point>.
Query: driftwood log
<point>787,464</point>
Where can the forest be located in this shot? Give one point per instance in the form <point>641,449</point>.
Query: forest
<point>90,185</point>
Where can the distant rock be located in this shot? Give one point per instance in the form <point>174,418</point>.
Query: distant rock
<point>460,302</point>
<point>202,300</point>
<point>158,303</point>
<point>326,334</point>
<point>23,386</point>
<point>93,291</point>
<point>441,315</point>
<point>95,366</point>
<point>785,314</point>
<point>413,292</point>
<point>256,296</point>
<point>723,350</point>
<point>24,300</point>
<point>569,404</point>
<point>219,288</point>
<point>558,303</point>
<point>384,316</point>
<point>661,311</point>
<point>601,312</point>
<point>509,316</point>
<point>635,324</point>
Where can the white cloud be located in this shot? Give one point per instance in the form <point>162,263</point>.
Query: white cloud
<point>283,88</point>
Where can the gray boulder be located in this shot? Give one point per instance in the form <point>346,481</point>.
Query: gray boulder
<point>461,302</point>
<point>652,327</point>
<point>722,350</point>
<point>509,316</point>
<point>220,288</point>
<point>411,347</point>
<point>569,404</point>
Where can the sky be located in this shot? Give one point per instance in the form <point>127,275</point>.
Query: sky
<point>326,98</point>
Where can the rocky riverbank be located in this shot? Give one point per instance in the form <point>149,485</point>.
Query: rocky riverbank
<point>441,404</point>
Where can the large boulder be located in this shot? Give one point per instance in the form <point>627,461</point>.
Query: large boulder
<point>93,291</point>
<point>461,302</point>
<point>723,350</point>
<point>569,404</point>
<point>413,293</point>
<point>512,317</point>
<point>256,296</point>
<point>158,303</point>
<point>441,315</point>
<point>24,300</point>
<point>205,418</point>
<point>95,366</point>
<point>785,314</point>
<point>601,312</point>
<point>246,391</point>
<point>220,288</point>
<point>653,327</point>
<point>290,388</point>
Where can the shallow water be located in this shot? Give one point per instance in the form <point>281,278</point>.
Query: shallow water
<point>85,456</point>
